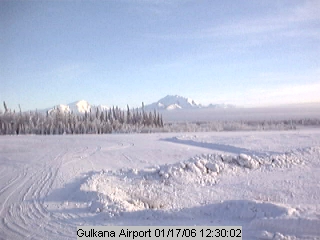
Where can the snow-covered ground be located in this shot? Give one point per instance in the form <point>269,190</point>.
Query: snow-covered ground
<point>267,182</point>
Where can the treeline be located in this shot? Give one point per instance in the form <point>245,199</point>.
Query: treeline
<point>113,120</point>
<point>241,125</point>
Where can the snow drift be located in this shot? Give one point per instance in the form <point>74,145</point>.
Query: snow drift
<point>162,187</point>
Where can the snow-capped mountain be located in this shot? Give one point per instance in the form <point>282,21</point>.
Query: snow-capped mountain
<point>172,102</point>
<point>169,102</point>
<point>81,107</point>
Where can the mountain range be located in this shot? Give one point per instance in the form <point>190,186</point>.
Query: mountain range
<point>173,102</point>
<point>168,103</point>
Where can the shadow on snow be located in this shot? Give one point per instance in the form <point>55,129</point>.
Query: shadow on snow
<point>218,147</point>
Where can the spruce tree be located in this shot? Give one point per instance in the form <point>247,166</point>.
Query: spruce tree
<point>5,107</point>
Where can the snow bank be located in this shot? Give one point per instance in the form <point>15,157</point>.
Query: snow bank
<point>163,187</point>
<point>245,209</point>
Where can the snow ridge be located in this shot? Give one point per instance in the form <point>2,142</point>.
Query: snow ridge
<point>156,187</point>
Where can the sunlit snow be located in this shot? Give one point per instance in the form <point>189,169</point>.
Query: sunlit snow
<point>267,182</point>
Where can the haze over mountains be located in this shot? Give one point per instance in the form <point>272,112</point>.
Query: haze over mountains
<point>169,102</point>
<point>172,102</point>
<point>178,108</point>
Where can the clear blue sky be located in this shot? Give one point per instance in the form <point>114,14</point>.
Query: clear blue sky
<point>115,52</point>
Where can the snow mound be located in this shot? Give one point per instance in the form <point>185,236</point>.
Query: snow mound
<point>289,159</point>
<point>265,235</point>
<point>246,161</point>
<point>244,209</point>
<point>163,187</point>
<point>127,191</point>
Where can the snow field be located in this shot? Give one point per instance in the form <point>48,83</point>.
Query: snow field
<point>267,182</point>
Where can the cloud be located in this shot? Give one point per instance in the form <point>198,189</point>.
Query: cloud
<point>298,21</point>
<point>308,11</point>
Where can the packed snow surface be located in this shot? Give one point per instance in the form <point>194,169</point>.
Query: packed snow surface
<point>266,182</point>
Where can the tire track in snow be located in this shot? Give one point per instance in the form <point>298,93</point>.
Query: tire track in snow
<point>16,221</point>
<point>4,221</point>
<point>127,157</point>
<point>3,170</point>
<point>24,219</point>
<point>120,145</point>
<point>10,183</point>
<point>27,214</point>
<point>52,224</point>
<point>83,156</point>
<point>11,217</point>
<point>21,176</point>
